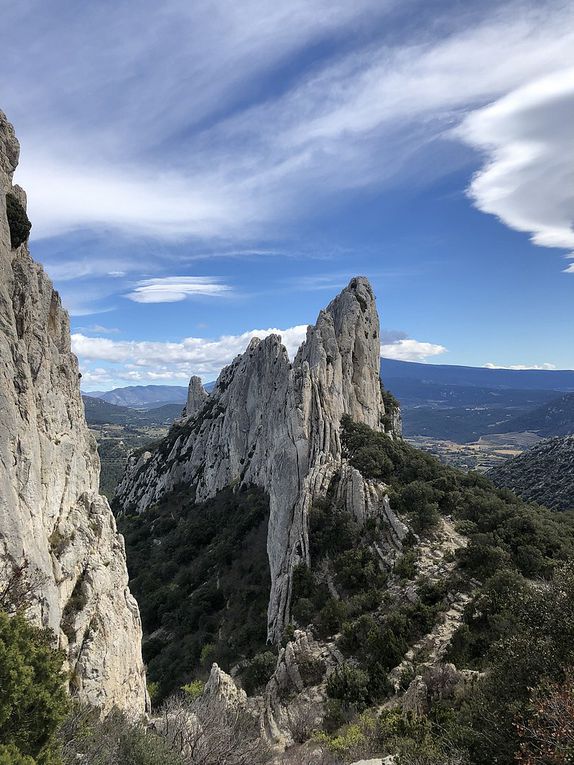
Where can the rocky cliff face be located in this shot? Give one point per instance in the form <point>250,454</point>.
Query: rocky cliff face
<point>276,425</point>
<point>51,513</point>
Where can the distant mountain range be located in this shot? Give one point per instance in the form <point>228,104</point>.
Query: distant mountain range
<point>143,396</point>
<point>100,412</point>
<point>450,374</point>
<point>556,418</point>
<point>461,404</point>
<point>440,401</point>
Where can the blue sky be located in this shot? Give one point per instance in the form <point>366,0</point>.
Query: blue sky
<point>200,171</point>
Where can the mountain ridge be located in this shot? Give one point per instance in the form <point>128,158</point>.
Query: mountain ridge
<point>543,473</point>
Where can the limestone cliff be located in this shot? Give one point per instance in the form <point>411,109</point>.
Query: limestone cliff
<point>51,513</point>
<point>276,425</point>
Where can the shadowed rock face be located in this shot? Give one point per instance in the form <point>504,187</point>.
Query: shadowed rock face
<point>276,425</point>
<point>51,513</point>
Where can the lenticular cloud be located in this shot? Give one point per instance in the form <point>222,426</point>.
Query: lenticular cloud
<point>528,179</point>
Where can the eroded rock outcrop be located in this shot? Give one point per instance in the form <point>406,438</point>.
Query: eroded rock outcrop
<point>51,514</point>
<point>293,701</point>
<point>196,396</point>
<point>276,424</point>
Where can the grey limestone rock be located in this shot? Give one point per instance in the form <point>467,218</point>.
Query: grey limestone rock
<point>51,514</point>
<point>276,424</point>
<point>196,396</point>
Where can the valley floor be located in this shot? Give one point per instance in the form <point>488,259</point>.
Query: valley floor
<point>481,455</point>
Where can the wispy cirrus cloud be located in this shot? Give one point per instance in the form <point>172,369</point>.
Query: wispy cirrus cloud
<point>219,154</point>
<point>99,329</point>
<point>172,289</point>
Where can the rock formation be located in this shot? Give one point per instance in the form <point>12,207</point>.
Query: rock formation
<point>293,701</point>
<point>51,514</point>
<point>196,396</point>
<point>276,425</point>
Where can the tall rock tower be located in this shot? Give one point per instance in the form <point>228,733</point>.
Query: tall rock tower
<point>276,425</point>
<point>51,514</point>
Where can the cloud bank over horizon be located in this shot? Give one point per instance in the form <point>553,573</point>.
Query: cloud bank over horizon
<point>132,361</point>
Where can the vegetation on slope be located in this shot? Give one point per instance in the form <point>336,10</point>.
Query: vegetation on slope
<point>200,573</point>
<point>518,629</point>
<point>33,701</point>
<point>201,576</point>
<point>556,418</point>
<point>543,474</point>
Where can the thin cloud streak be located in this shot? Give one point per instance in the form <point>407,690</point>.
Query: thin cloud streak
<point>545,366</point>
<point>172,289</point>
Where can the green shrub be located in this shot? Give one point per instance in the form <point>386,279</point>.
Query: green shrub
<point>33,700</point>
<point>17,221</point>
<point>331,617</point>
<point>193,690</point>
<point>358,570</point>
<point>311,670</point>
<point>258,671</point>
<point>303,611</point>
<point>10,755</point>
<point>350,685</point>
<point>331,531</point>
<point>405,567</point>
<point>114,740</point>
<point>372,462</point>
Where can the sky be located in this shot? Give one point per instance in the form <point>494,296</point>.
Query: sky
<point>201,171</point>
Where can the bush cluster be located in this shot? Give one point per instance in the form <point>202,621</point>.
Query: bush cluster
<point>33,700</point>
<point>18,221</point>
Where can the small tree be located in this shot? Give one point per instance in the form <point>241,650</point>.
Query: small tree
<point>258,671</point>
<point>33,700</point>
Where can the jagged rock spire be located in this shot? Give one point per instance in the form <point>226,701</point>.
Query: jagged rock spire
<point>196,395</point>
<point>276,425</point>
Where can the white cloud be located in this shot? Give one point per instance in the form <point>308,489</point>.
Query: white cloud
<point>141,360</point>
<point>528,178</point>
<point>406,349</point>
<point>172,289</point>
<point>490,365</point>
<point>177,359</point>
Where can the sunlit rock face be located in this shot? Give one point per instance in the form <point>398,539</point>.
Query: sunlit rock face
<point>276,424</point>
<point>196,396</point>
<point>51,514</point>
